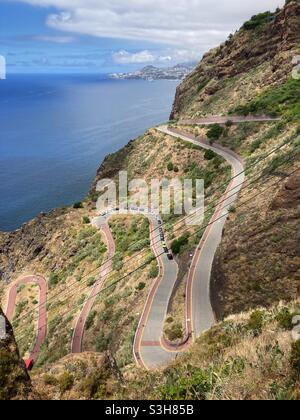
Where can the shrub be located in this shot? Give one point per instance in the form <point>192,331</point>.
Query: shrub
<point>209,155</point>
<point>258,20</point>
<point>66,382</point>
<point>78,205</point>
<point>49,380</point>
<point>215,132</point>
<point>56,278</point>
<point>93,386</point>
<point>278,100</point>
<point>102,343</point>
<point>90,320</point>
<point>141,286</point>
<point>179,243</point>
<point>170,167</point>
<point>256,322</point>
<point>86,220</point>
<point>117,262</point>
<point>91,281</point>
<point>138,246</point>
<point>229,123</point>
<point>295,357</point>
<point>285,319</point>
<point>175,332</point>
<point>195,385</point>
<point>154,271</point>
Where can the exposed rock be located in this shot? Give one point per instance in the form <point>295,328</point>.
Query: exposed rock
<point>267,50</point>
<point>289,196</point>
<point>14,379</point>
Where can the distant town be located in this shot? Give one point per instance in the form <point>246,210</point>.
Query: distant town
<point>178,72</point>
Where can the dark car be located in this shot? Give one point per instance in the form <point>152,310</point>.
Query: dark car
<point>170,256</point>
<point>166,250</point>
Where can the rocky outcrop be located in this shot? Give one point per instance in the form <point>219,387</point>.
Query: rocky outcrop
<point>263,54</point>
<point>14,379</point>
<point>289,196</point>
<point>29,243</point>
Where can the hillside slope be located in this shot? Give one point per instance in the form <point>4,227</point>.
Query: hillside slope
<point>256,57</point>
<point>14,379</point>
<point>257,265</point>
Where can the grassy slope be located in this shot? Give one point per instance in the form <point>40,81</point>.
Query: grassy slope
<point>249,356</point>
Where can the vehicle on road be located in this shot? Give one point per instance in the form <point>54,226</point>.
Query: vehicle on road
<point>170,256</point>
<point>29,364</point>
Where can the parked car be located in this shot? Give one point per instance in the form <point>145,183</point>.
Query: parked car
<point>29,364</point>
<point>170,256</point>
<point>166,250</point>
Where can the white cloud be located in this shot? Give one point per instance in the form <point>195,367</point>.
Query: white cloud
<point>55,39</point>
<point>187,24</point>
<point>163,57</point>
<point>125,57</point>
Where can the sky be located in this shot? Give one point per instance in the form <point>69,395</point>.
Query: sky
<point>104,36</point>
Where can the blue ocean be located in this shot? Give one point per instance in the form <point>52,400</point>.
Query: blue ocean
<point>56,130</point>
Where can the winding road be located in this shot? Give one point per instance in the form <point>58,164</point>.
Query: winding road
<point>42,317</point>
<point>151,350</point>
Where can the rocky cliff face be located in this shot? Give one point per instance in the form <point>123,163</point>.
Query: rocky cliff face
<point>258,56</point>
<point>14,380</point>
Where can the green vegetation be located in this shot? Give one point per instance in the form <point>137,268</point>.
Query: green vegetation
<point>202,85</point>
<point>279,100</point>
<point>117,262</point>
<point>154,270</point>
<point>170,167</point>
<point>258,20</point>
<point>195,172</point>
<point>180,243</point>
<point>57,278</point>
<point>215,132</point>
<point>295,357</point>
<point>86,220</point>
<point>90,320</point>
<point>129,238</point>
<point>14,380</point>
<point>91,281</point>
<point>256,322</point>
<point>174,332</point>
<point>65,381</point>
<point>210,155</point>
<point>78,205</point>
<point>141,286</point>
<point>285,319</point>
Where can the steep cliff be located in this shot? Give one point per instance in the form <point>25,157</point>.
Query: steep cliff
<point>258,56</point>
<point>14,379</point>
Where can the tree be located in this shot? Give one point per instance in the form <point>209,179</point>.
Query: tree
<point>215,132</point>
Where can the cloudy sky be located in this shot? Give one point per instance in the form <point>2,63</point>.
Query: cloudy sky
<point>116,35</point>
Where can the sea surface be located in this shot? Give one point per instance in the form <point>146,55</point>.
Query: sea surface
<point>56,130</point>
